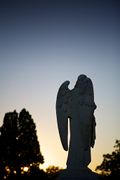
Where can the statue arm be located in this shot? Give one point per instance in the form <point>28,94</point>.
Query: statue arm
<point>93,133</point>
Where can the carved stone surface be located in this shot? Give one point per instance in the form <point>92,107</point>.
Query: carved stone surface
<point>77,106</point>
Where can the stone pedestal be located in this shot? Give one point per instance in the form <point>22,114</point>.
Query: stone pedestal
<point>78,174</point>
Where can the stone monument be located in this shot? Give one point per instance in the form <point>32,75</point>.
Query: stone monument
<point>77,106</point>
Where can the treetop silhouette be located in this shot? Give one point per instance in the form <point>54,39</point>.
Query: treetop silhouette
<point>110,165</point>
<point>19,143</point>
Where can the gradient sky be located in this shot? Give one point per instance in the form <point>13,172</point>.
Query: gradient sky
<point>45,42</point>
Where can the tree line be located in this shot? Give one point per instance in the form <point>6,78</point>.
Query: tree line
<point>19,146</point>
<point>20,155</point>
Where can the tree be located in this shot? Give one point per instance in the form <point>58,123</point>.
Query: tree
<point>111,162</point>
<point>53,171</point>
<point>29,149</point>
<point>8,143</point>
<point>18,142</point>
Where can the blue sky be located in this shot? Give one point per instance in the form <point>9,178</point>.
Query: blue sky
<point>44,43</point>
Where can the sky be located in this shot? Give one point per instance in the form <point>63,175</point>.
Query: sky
<point>44,43</point>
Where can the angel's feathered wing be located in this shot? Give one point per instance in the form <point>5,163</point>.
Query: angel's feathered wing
<point>62,113</point>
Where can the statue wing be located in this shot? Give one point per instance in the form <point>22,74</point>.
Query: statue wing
<point>62,113</point>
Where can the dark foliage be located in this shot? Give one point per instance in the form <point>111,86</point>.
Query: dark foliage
<point>53,172</point>
<point>39,175</point>
<point>110,167</point>
<point>28,149</point>
<point>19,146</point>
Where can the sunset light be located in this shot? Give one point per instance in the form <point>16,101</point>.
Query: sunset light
<point>44,43</point>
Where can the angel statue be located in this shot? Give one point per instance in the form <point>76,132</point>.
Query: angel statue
<point>77,106</point>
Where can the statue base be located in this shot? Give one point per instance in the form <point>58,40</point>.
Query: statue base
<point>78,174</point>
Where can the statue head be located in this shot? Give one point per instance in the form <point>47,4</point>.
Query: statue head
<point>85,86</point>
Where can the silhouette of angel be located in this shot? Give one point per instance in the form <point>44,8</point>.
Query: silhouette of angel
<point>77,106</point>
